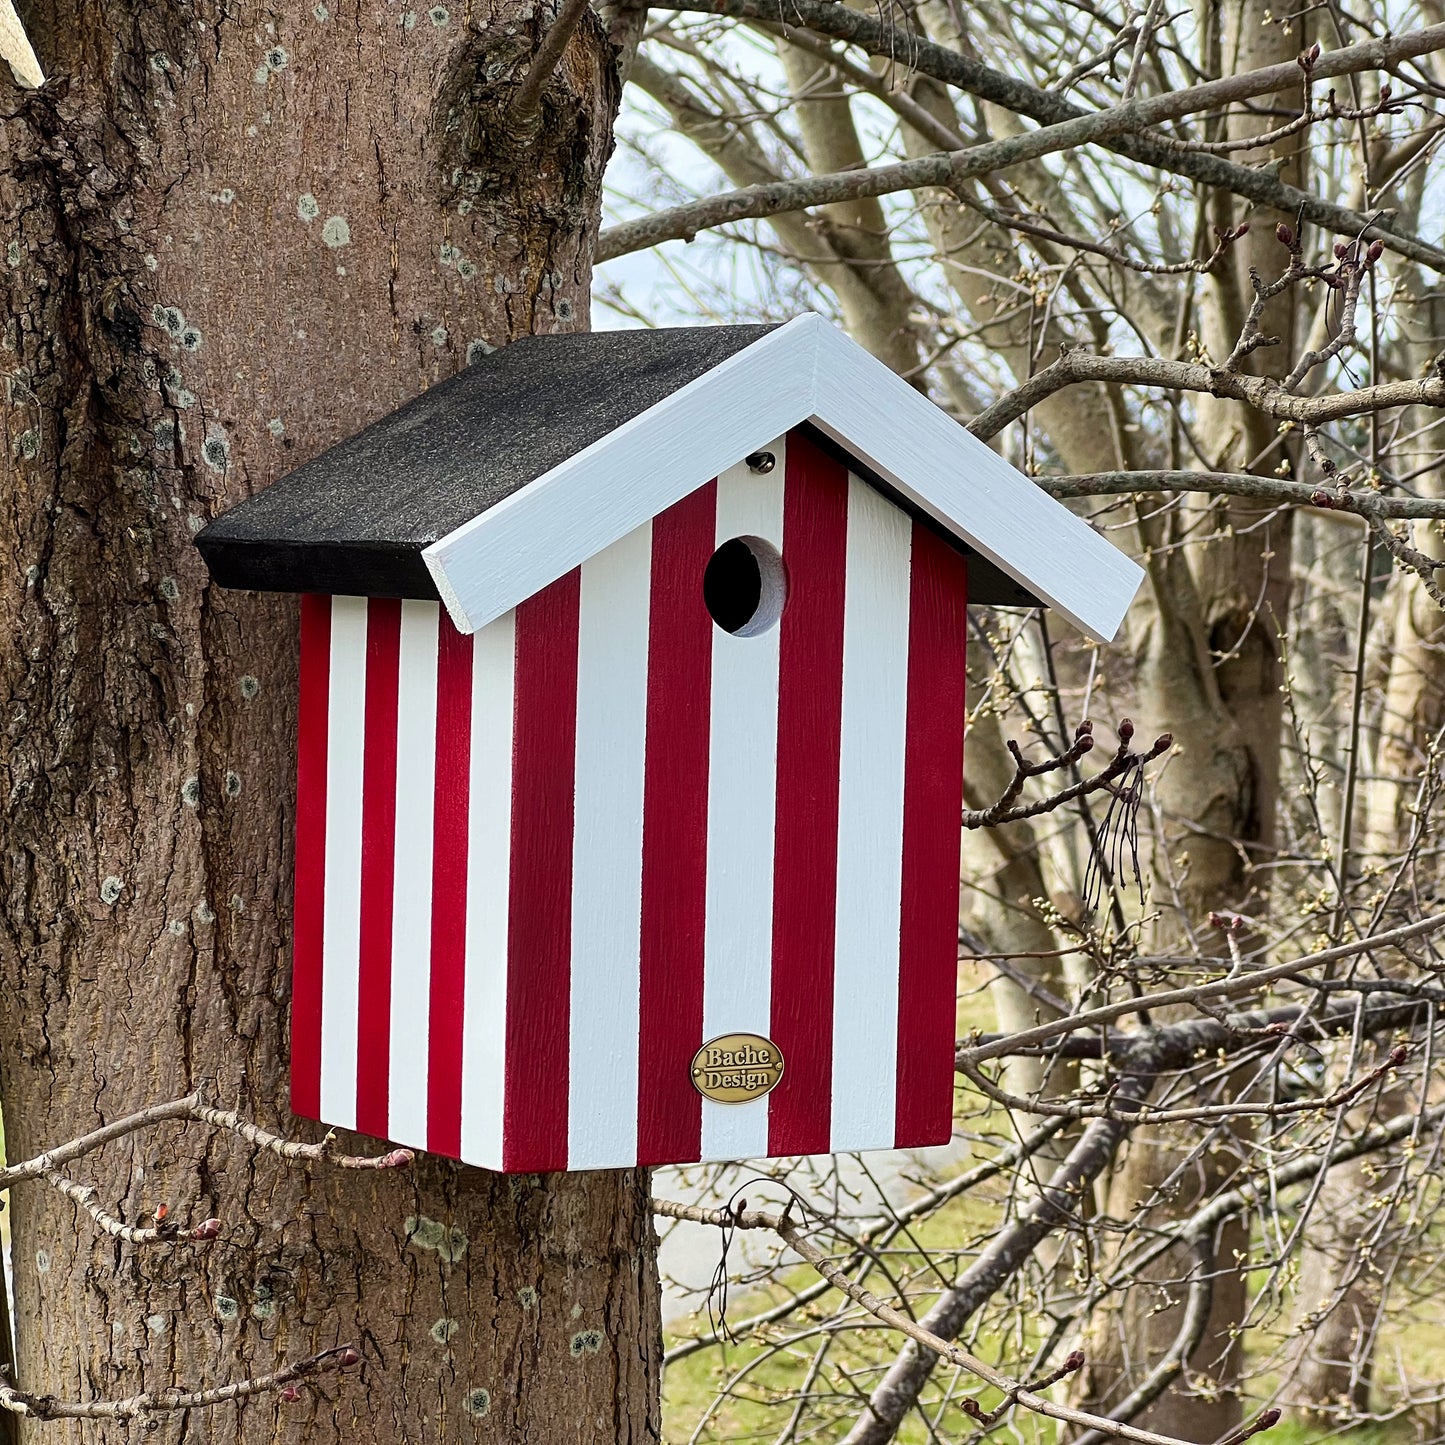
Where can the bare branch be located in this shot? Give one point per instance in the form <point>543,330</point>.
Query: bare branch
<point>1262,392</point>
<point>162,1232</point>
<point>1013,1390</point>
<point>325,1151</point>
<point>883,38</point>
<point>1230,987</point>
<point>1274,491</point>
<point>184,1108</point>
<point>169,1402</point>
<point>883,1234</point>
<point>1332,111</point>
<point>1003,810</point>
<point>1411,558</point>
<point>1014,222</point>
<point>1339,1099</point>
<point>528,99</point>
<point>954,167</point>
<point>191,1107</point>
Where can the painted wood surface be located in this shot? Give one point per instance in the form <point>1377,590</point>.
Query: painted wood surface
<point>675,824</point>
<point>559,854</point>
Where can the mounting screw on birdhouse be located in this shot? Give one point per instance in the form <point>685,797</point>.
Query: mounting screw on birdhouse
<point>630,745</point>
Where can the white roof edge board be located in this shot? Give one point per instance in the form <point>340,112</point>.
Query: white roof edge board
<point>965,486</point>
<point>807,370</point>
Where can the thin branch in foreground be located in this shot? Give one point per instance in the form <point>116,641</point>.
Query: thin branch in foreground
<point>192,1107</point>
<point>1006,808</point>
<point>325,1151</point>
<point>166,1402</point>
<point>164,1231</point>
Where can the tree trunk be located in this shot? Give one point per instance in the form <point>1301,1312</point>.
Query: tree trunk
<point>1209,663</point>
<point>236,235</point>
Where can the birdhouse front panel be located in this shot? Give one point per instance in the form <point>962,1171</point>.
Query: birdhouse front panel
<point>661,864</point>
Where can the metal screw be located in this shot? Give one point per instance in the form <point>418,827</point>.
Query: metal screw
<point>762,462</point>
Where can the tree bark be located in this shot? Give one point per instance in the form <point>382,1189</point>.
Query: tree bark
<point>234,236</point>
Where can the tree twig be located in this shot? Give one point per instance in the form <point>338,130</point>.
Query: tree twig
<point>193,1107</point>
<point>1275,491</point>
<point>1003,809</point>
<point>162,1232</point>
<point>166,1402</point>
<point>525,104</point>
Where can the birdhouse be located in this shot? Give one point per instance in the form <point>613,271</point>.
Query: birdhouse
<point>631,720</point>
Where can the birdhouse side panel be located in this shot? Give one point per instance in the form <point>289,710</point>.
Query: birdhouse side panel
<point>404,817</point>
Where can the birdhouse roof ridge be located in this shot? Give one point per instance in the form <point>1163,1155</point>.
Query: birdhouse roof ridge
<point>492,484</point>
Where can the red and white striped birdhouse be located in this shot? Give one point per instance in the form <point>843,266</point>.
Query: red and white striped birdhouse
<point>631,721</point>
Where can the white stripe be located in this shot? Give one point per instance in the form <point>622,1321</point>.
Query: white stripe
<point>489,822</point>
<point>612,640</point>
<point>341,952</point>
<point>416,732</point>
<point>742,796</point>
<point>870,820</point>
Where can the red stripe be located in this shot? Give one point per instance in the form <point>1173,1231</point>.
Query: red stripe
<point>378,865</point>
<point>539,926</point>
<point>308,938</point>
<point>449,890</point>
<point>805,870</point>
<point>932,806</point>
<point>674,831</point>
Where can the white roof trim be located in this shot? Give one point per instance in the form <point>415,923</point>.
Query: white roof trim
<point>805,371</point>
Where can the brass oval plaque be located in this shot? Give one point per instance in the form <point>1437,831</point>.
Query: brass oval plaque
<point>735,1068</point>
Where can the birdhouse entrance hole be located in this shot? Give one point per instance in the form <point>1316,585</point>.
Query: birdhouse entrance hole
<point>745,586</point>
